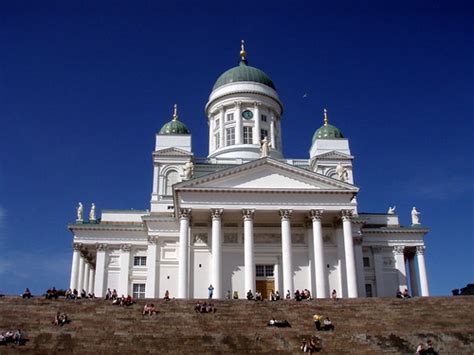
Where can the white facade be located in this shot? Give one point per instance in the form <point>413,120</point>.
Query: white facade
<point>240,221</point>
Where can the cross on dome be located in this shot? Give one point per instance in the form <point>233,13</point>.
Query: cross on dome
<point>243,53</point>
<point>175,112</point>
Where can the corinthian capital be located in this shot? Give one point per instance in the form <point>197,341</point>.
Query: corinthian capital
<point>184,213</point>
<point>101,247</point>
<point>248,214</point>
<point>398,250</point>
<point>420,249</point>
<point>316,215</point>
<point>77,246</point>
<point>125,247</point>
<point>285,214</point>
<point>216,213</point>
<point>346,215</point>
<point>152,239</point>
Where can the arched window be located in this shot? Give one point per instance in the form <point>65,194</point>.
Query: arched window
<point>171,178</point>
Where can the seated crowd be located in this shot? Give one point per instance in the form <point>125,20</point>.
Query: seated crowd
<point>201,307</point>
<point>61,319</point>
<point>403,294</point>
<point>311,345</point>
<point>73,294</point>
<point>10,336</point>
<point>116,300</point>
<point>325,325</point>
<point>303,295</point>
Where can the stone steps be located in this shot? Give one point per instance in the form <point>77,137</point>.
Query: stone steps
<point>362,326</point>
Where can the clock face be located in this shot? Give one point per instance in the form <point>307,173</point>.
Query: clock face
<point>247,114</point>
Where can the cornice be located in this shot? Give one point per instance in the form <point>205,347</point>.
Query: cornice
<point>394,230</point>
<point>253,190</point>
<point>111,227</point>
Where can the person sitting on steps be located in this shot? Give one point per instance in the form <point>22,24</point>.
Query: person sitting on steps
<point>27,293</point>
<point>250,295</point>
<point>317,322</point>
<point>167,295</point>
<point>328,324</point>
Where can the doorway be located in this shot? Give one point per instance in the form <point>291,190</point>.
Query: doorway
<point>265,280</point>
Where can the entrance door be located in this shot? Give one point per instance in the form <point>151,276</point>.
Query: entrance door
<point>265,287</point>
<point>265,280</point>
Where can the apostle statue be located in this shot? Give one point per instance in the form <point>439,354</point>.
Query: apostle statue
<point>342,172</point>
<point>92,217</point>
<point>391,210</point>
<point>188,170</point>
<point>415,217</point>
<point>264,147</point>
<point>80,212</point>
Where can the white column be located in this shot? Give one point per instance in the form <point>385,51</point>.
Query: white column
<point>311,266</point>
<point>280,146</point>
<point>359,260</point>
<point>249,261</point>
<point>151,289</point>
<point>398,251</point>
<point>272,131</point>
<point>349,254</point>
<point>100,281</point>
<point>286,251</point>
<point>413,277</point>
<point>216,269</point>
<point>156,171</point>
<point>75,265</point>
<point>277,275</point>
<point>211,132</point>
<point>420,256</point>
<point>319,263</point>
<point>184,216</point>
<point>87,270</point>
<point>123,288</point>
<point>221,128</point>
<point>80,280</point>
<point>256,133</point>
<point>238,123</point>
<point>91,281</point>
<point>378,266</point>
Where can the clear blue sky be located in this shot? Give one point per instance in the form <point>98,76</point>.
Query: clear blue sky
<point>84,88</point>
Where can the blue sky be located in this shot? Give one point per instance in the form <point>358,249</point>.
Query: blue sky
<point>84,88</point>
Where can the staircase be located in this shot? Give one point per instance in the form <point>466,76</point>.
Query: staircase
<point>366,325</point>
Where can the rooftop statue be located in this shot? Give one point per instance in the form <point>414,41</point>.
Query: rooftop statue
<point>342,172</point>
<point>80,212</point>
<point>188,170</point>
<point>415,217</point>
<point>391,210</point>
<point>92,213</point>
<point>265,147</point>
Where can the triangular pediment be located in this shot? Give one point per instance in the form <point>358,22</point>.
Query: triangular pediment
<point>267,174</point>
<point>172,152</point>
<point>334,155</point>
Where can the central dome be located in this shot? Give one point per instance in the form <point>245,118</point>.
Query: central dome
<point>244,72</point>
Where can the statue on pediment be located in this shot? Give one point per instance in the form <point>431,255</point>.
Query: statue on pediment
<point>415,216</point>
<point>391,210</point>
<point>342,172</point>
<point>80,212</point>
<point>264,147</point>
<point>188,170</point>
<point>92,217</point>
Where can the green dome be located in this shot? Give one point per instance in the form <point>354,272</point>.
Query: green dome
<point>327,131</point>
<point>175,126</point>
<point>244,72</point>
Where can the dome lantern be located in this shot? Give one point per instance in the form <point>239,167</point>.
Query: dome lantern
<point>327,131</point>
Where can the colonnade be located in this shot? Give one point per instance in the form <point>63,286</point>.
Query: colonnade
<point>249,261</point>
<point>82,271</point>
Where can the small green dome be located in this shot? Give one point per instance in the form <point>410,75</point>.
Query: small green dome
<point>244,72</point>
<point>174,126</point>
<point>327,132</point>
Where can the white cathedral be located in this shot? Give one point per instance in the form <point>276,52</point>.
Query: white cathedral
<point>247,218</point>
